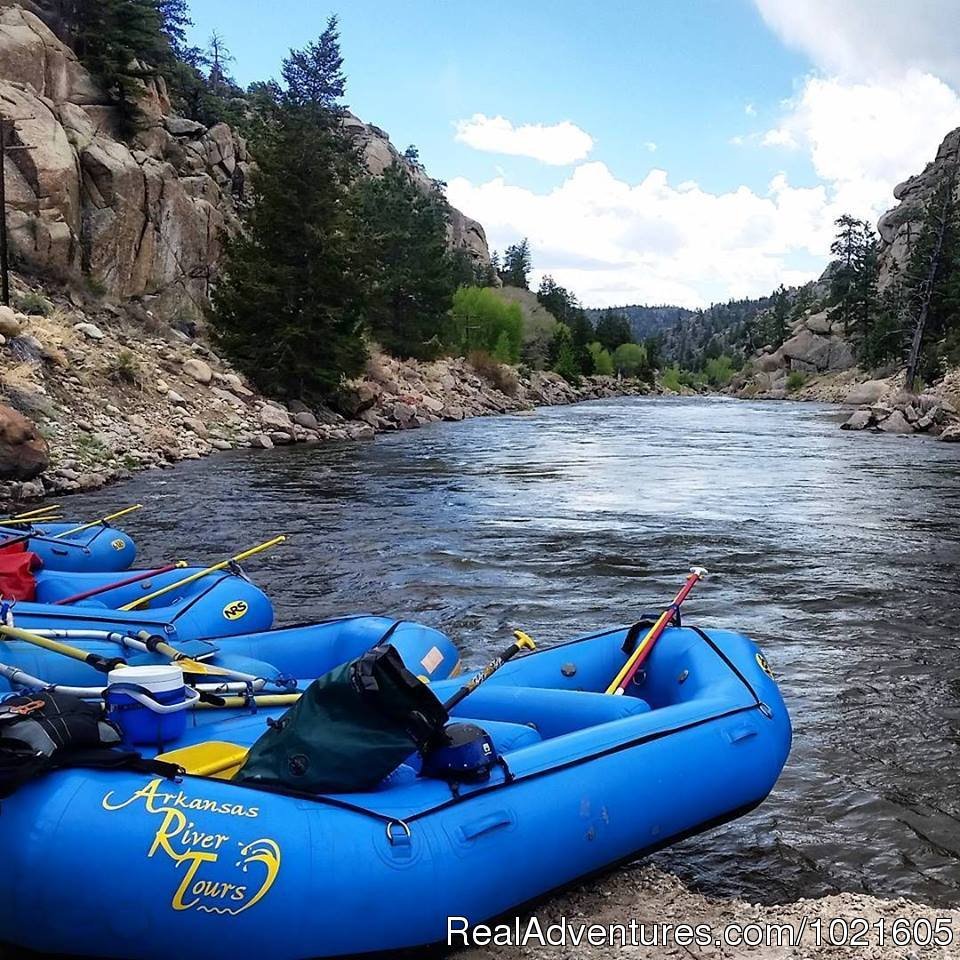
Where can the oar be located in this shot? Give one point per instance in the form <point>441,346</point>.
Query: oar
<point>49,508</point>
<point>106,664</point>
<point>102,522</point>
<point>102,664</point>
<point>30,521</point>
<point>522,642</point>
<point>635,660</point>
<point>223,564</point>
<point>96,591</point>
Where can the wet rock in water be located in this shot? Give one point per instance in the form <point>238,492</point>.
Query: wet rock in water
<point>262,441</point>
<point>219,444</point>
<point>859,420</point>
<point>199,370</point>
<point>23,452</point>
<point>896,423</point>
<point>951,434</point>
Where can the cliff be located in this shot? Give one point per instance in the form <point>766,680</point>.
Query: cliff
<point>898,228</point>
<point>141,219</point>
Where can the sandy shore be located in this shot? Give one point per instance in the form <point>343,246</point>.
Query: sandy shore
<point>651,897</point>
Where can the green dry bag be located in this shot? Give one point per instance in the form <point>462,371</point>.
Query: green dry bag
<point>351,728</point>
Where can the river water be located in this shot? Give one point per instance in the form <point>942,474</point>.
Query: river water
<point>836,551</point>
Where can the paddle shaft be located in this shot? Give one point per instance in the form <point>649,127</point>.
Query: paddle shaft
<point>102,664</point>
<point>103,521</point>
<point>523,642</point>
<point>202,573</point>
<point>637,658</point>
<point>49,508</point>
<point>96,591</point>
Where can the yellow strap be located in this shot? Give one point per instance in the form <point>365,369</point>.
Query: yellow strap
<point>261,700</point>
<point>100,522</point>
<point>202,573</point>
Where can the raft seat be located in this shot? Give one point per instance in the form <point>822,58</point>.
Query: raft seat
<point>548,711</point>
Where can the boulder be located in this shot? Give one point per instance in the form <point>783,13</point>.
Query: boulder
<point>951,434</point>
<point>870,391</point>
<point>90,330</point>
<point>275,420</point>
<point>23,452</point>
<point>176,399</point>
<point>819,322</point>
<point>896,423</point>
<point>859,420</point>
<point>262,441</point>
<point>10,326</point>
<point>234,384</point>
<point>306,420</point>
<point>198,369</point>
<point>195,426</point>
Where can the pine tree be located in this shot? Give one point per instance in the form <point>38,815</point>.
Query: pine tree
<point>287,308</point>
<point>778,317</point>
<point>517,264</point>
<point>122,43</point>
<point>932,281</point>
<point>613,329</point>
<point>405,264</point>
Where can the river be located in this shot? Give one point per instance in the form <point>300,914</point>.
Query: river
<point>836,551</point>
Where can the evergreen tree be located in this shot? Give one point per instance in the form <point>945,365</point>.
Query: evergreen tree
<point>407,270</point>
<point>932,283</point>
<point>287,308</point>
<point>563,355</point>
<point>517,265</point>
<point>122,43</point>
<point>778,317</point>
<point>613,329</point>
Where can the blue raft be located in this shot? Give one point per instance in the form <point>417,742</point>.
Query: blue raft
<point>99,548</point>
<point>120,865</point>
<point>215,605</point>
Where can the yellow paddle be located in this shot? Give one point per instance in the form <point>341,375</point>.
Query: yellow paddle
<point>97,523</point>
<point>106,664</point>
<point>202,573</point>
<point>49,508</point>
<point>31,521</point>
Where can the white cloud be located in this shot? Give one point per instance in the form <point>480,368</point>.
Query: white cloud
<point>750,110</point>
<point>870,39</point>
<point>651,146</point>
<point>559,144</point>
<point>865,137</point>
<point>616,242</point>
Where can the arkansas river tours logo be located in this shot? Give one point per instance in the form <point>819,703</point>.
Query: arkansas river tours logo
<point>210,883</point>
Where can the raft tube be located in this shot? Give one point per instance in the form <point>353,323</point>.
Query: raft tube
<point>278,656</point>
<point>141,867</point>
<point>218,604</point>
<point>98,548</point>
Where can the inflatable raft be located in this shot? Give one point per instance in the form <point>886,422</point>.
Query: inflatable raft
<point>117,864</point>
<point>215,605</point>
<point>99,548</point>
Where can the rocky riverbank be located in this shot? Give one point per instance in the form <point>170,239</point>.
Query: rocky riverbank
<point>652,898</point>
<point>91,392</point>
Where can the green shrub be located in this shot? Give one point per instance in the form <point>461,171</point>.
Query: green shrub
<point>630,359</point>
<point>671,379</point>
<point>795,381</point>
<point>602,361</point>
<point>719,371</point>
<point>481,320</point>
<point>34,303</point>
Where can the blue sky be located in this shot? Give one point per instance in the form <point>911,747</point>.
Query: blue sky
<point>739,97</point>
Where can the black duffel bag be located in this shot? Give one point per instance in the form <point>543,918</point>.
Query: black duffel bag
<point>40,732</point>
<point>349,730</point>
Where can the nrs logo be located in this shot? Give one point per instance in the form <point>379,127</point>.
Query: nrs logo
<point>236,609</point>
